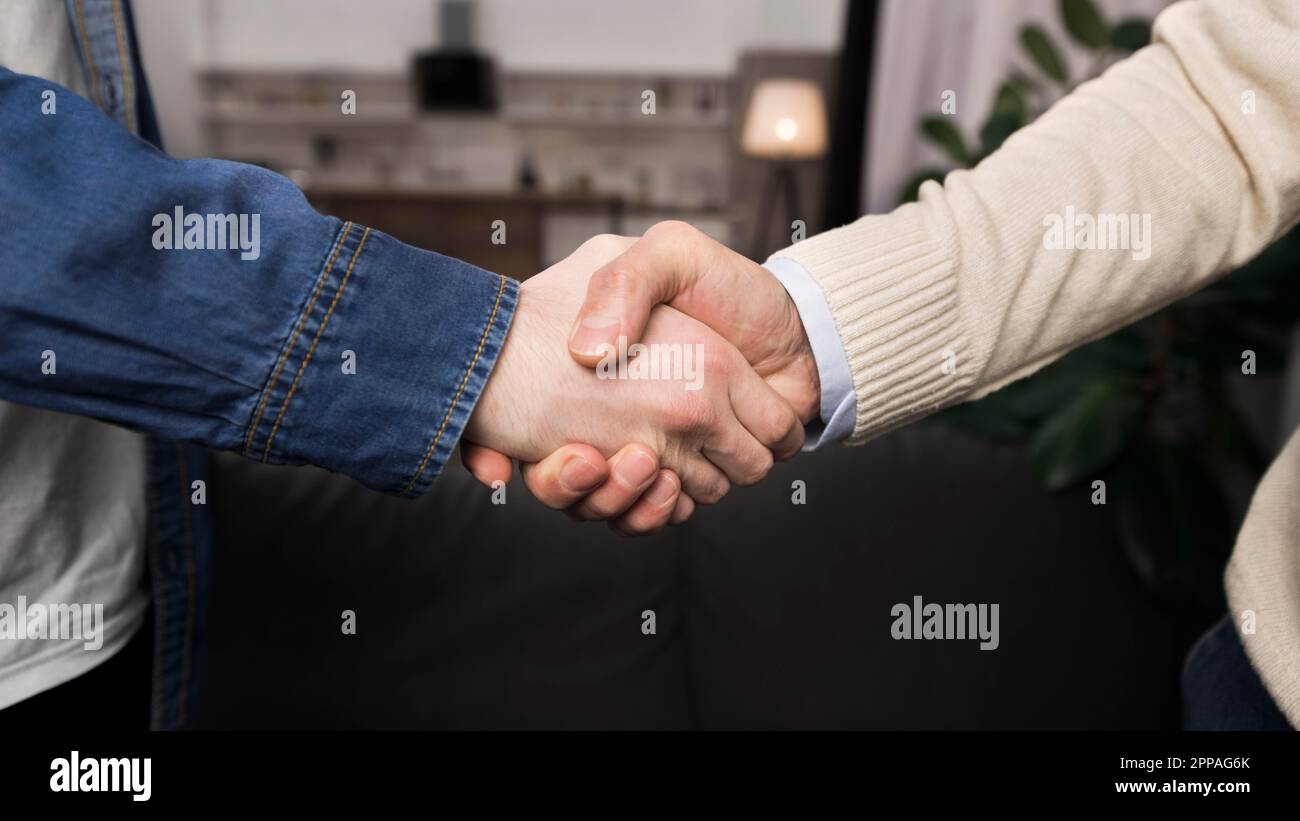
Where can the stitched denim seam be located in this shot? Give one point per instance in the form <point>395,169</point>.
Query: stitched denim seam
<point>160,598</point>
<point>487,330</point>
<point>90,56</point>
<point>187,540</point>
<point>124,66</point>
<point>274,379</point>
<point>315,341</point>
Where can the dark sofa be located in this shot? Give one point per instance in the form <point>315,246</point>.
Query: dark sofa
<point>768,614</point>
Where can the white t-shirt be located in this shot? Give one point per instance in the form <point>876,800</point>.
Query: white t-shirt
<point>72,490</point>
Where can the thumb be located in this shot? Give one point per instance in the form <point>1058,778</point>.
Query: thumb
<point>623,292</point>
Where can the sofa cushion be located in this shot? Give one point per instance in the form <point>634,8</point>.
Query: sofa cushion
<point>468,614</point>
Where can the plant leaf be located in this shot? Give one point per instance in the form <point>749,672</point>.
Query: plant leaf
<point>944,134</point>
<point>1039,47</point>
<point>1173,521</point>
<point>1217,338</point>
<point>912,187</point>
<point>1017,410</point>
<point>1237,435</point>
<point>1131,35</point>
<point>1261,290</point>
<point>996,131</point>
<point>1084,435</point>
<point>987,418</point>
<point>1085,24</point>
<point>1127,349</point>
<point>1010,102</point>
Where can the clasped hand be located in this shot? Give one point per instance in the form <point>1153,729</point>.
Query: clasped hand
<point>689,372</point>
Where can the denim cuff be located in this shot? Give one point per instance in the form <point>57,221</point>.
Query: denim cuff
<point>389,357</point>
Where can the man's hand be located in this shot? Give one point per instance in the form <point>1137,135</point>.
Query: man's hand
<point>538,400</point>
<point>577,480</point>
<point>676,264</point>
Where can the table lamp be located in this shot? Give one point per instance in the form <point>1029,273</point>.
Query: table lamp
<point>786,122</point>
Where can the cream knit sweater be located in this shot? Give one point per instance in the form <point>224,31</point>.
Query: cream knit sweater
<point>1200,131</point>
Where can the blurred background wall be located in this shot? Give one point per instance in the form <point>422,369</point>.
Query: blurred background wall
<point>565,151</point>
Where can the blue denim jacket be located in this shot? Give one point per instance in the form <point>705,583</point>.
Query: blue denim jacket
<point>208,349</point>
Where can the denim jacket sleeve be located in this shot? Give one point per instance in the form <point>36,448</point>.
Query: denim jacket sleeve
<point>312,341</point>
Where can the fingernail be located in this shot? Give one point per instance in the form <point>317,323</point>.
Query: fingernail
<point>592,333</point>
<point>578,475</point>
<point>636,468</point>
<point>662,491</point>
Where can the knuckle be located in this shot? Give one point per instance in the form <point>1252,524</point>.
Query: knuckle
<point>684,508</point>
<point>616,278</point>
<point>791,449</point>
<point>756,468</point>
<point>609,243</point>
<point>690,413</point>
<point>775,420</point>
<point>716,364</point>
<point>720,362</point>
<point>713,491</point>
<point>547,490</point>
<point>671,230</point>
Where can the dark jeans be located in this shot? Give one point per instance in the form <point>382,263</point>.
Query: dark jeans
<point>1221,691</point>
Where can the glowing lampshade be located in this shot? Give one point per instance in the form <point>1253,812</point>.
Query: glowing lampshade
<point>786,120</point>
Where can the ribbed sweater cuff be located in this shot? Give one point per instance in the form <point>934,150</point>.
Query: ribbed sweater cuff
<point>892,288</point>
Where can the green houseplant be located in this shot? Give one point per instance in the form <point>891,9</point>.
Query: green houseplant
<point>1148,410</point>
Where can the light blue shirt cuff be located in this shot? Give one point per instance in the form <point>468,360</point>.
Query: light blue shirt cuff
<point>839,403</point>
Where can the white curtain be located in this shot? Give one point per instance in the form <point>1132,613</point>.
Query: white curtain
<point>926,47</point>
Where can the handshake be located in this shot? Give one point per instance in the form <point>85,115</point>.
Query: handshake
<point>688,371</point>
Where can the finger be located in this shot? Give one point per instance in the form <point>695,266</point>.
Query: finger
<point>487,465</point>
<point>739,455</point>
<point>566,476</point>
<point>651,512</point>
<point>767,417</point>
<point>683,510</point>
<point>621,294</point>
<point>702,480</point>
<point>631,471</point>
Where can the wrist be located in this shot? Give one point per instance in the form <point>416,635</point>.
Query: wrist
<point>498,414</point>
<point>806,398</point>
<point>818,349</point>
